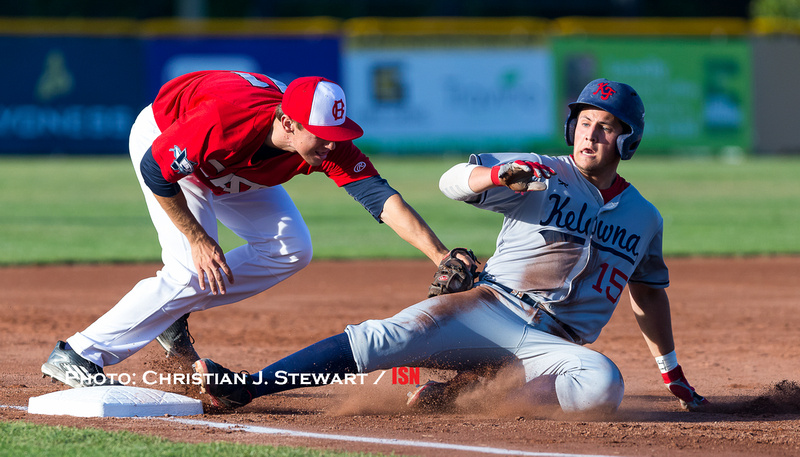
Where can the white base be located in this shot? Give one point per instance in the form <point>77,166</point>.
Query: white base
<point>114,401</point>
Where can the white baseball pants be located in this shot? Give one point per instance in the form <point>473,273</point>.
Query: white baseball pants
<point>481,326</point>
<point>278,245</point>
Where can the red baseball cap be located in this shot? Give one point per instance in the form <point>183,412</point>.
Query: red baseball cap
<point>319,105</point>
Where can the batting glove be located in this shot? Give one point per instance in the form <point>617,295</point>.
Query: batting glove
<point>677,384</point>
<point>519,174</point>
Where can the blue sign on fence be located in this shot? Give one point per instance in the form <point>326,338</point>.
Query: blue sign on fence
<point>69,94</point>
<point>80,95</point>
<point>280,58</point>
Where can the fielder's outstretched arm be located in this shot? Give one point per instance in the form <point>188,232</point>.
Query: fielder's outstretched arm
<point>410,226</point>
<point>386,205</point>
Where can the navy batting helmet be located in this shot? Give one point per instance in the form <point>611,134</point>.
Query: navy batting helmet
<point>618,99</point>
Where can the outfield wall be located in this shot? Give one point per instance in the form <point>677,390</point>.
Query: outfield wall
<point>415,85</point>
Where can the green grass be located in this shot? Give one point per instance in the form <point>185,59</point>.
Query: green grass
<point>24,439</point>
<point>718,207</point>
<point>73,209</point>
<point>90,209</point>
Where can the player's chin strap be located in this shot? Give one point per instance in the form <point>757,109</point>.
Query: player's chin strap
<point>530,301</point>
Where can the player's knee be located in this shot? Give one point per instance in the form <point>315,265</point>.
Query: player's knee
<point>608,392</point>
<point>301,255</point>
<point>598,387</point>
<point>299,249</point>
<point>293,253</point>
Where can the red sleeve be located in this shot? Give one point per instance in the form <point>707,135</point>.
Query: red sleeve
<point>216,115</point>
<point>347,164</point>
<point>213,130</point>
<point>185,144</point>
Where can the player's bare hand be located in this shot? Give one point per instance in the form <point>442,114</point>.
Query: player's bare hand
<point>209,261</point>
<point>520,175</point>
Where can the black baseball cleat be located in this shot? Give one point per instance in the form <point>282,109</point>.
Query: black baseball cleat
<point>226,388</point>
<point>178,342</point>
<point>67,366</point>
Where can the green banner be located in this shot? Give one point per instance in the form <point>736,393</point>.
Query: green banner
<point>696,92</point>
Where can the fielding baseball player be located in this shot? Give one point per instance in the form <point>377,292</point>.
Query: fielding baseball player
<point>216,145</point>
<point>574,234</point>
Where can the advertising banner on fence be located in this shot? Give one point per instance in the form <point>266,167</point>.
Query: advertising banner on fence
<point>69,94</point>
<point>697,93</point>
<point>412,100</point>
<point>281,58</point>
<point>80,95</point>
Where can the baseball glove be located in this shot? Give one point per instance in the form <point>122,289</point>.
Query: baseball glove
<point>453,274</point>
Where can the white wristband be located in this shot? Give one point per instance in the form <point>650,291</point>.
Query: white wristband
<point>667,362</point>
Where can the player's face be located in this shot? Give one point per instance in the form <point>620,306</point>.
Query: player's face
<point>311,148</point>
<point>595,149</point>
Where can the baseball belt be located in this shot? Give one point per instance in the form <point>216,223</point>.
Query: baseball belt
<point>530,301</point>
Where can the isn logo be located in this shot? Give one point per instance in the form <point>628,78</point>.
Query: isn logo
<point>405,375</point>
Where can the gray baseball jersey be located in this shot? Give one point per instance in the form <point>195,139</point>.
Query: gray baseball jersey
<point>562,260</point>
<point>567,249</point>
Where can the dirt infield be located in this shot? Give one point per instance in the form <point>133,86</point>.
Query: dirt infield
<point>736,323</point>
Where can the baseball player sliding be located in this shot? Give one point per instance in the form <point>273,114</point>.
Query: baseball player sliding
<point>574,234</point>
<point>216,145</point>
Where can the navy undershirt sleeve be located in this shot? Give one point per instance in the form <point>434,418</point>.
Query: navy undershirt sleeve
<point>372,193</point>
<point>151,174</point>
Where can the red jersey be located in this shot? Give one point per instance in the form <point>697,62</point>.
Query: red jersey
<point>213,124</point>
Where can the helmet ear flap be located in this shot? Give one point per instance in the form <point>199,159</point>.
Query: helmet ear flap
<point>621,146</point>
<point>569,129</point>
<point>631,149</point>
<point>626,145</point>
